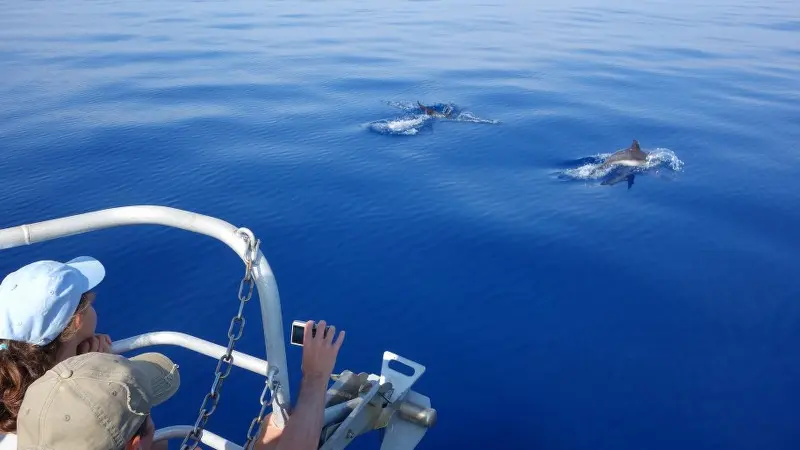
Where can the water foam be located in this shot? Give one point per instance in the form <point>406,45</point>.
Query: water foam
<point>469,117</point>
<point>407,126</point>
<point>657,160</point>
<point>411,123</point>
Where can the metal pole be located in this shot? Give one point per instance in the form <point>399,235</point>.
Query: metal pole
<point>190,342</point>
<point>126,215</point>
<point>338,413</point>
<point>271,317</point>
<point>208,438</point>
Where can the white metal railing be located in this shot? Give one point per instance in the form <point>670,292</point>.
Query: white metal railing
<point>189,342</point>
<point>208,438</point>
<point>203,347</point>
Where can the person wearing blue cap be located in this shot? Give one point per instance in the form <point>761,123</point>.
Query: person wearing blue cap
<point>47,319</point>
<point>46,316</point>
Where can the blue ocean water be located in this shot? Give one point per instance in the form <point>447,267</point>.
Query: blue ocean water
<point>552,312</point>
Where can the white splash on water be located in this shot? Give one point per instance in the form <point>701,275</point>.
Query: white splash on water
<point>415,120</point>
<point>660,158</point>
<point>405,106</point>
<point>469,117</point>
<point>590,170</point>
<point>408,126</point>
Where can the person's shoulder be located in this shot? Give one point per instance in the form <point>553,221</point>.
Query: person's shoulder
<point>8,441</point>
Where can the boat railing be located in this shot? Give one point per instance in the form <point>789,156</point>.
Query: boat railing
<point>189,342</point>
<point>355,403</point>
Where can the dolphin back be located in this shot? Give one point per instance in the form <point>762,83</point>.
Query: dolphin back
<point>636,151</point>
<point>632,153</point>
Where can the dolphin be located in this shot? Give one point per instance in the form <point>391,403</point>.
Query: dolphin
<point>623,174</point>
<point>426,109</point>
<point>632,156</point>
<point>448,112</point>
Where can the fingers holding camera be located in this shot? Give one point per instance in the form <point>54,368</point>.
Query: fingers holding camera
<point>338,343</point>
<point>329,338</point>
<point>320,351</point>
<point>308,333</point>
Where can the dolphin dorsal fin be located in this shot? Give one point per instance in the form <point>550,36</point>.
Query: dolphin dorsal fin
<point>635,146</point>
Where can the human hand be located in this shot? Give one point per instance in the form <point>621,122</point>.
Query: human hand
<point>97,343</point>
<point>320,351</point>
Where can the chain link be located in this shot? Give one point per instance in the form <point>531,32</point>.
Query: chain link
<point>271,386</point>
<point>225,364</point>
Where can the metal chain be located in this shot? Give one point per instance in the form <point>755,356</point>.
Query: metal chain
<point>270,386</point>
<point>235,331</point>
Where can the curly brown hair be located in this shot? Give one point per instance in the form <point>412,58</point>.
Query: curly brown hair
<point>21,364</point>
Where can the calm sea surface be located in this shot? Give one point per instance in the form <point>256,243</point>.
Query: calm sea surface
<point>552,311</point>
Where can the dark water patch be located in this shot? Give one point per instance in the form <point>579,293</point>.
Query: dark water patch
<point>237,26</point>
<point>131,58</point>
<point>789,25</point>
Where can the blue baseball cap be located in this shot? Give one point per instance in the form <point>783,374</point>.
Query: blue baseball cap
<point>38,301</point>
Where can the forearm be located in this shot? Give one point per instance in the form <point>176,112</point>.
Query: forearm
<point>303,429</point>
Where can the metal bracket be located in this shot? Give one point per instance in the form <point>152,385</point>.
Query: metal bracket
<point>357,422</point>
<point>401,382</point>
<point>346,387</point>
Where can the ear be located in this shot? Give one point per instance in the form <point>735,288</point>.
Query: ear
<point>134,444</point>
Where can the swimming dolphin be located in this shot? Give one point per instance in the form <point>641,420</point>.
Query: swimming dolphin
<point>433,112</point>
<point>427,110</point>
<point>632,156</point>
<point>623,174</point>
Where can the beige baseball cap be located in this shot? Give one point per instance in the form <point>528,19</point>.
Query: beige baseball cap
<point>95,401</point>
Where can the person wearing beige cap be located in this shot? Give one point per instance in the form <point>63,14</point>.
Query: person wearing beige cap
<point>96,401</point>
<point>101,401</point>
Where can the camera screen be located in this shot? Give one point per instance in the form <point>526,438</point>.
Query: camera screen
<point>297,334</point>
<point>299,330</point>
